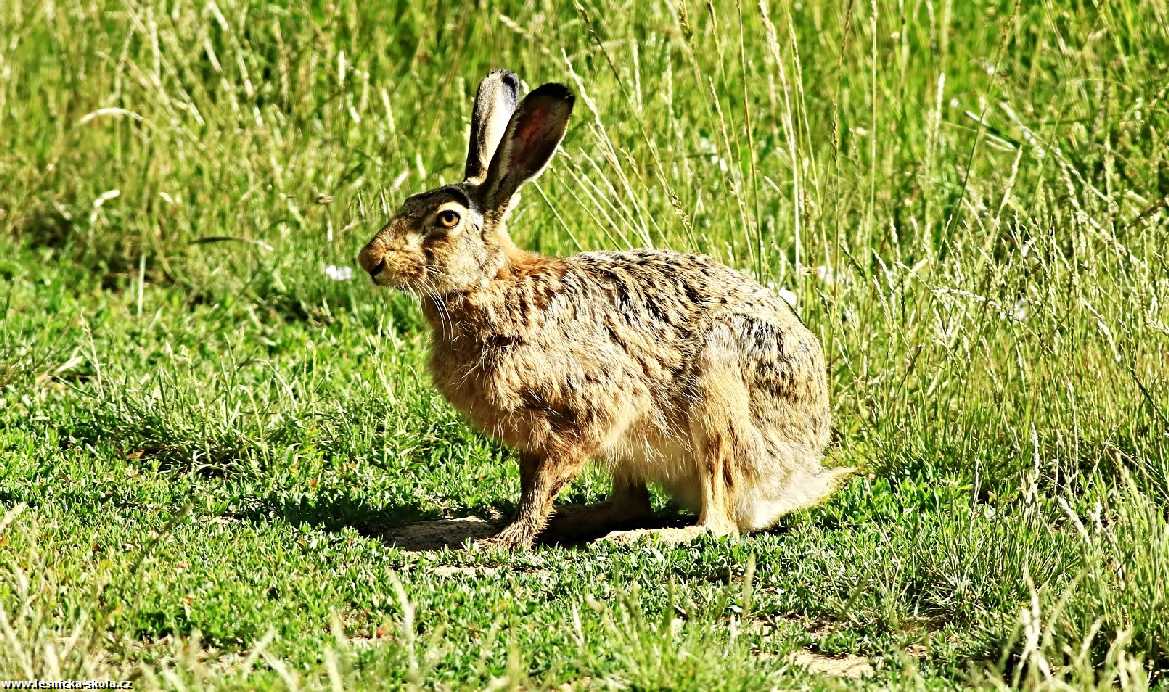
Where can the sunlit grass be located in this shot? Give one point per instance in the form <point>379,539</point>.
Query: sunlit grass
<point>208,432</point>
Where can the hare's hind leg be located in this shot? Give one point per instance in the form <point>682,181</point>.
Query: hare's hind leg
<point>750,470</point>
<point>722,437</point>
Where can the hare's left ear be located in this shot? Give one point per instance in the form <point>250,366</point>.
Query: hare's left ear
<point>532,135</point>
<point>494,103</point>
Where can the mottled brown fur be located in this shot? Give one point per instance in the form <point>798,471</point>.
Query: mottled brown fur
<point>665,367</point>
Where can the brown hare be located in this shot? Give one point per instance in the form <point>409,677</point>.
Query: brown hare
<point>664,367</point>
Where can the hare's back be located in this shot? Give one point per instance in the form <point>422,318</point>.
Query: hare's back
<point>691,314</point>
<point>666,290</point>
<point>695,330</point>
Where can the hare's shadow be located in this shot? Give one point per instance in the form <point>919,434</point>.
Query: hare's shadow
<point>436,534</point>
<point>403,526</point>
<point>408,529</point>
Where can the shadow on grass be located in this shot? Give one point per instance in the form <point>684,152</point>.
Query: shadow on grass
<point>406,526</point>
<point>439,534</point>
<point>409,528</point>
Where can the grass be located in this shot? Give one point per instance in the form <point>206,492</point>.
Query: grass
<point>207,445</point>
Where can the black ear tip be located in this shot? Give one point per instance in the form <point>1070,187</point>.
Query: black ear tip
<point>554,90</point>
<point>504,75</point>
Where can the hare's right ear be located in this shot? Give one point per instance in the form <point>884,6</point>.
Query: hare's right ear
<point>494,103</point>
<point>532,135</point>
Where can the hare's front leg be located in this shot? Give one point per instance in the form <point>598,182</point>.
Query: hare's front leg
<point>541,478</point>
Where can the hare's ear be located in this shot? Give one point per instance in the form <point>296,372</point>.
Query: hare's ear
<point>532,135</point>
<point>494,103</point>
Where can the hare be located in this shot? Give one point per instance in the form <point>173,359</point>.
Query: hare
<point>666,368</point>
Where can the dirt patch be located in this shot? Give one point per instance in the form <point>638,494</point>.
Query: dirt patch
<point>847,666</point>
<point>441,533</point>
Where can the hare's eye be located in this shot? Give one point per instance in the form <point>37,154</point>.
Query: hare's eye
<point>448,218</point>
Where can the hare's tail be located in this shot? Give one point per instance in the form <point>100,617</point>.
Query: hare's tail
<point>799,490</point>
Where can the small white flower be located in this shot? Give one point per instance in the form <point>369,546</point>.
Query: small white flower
<point>1018,311</point>
<point>339,273</point>
<point>707,146</point>
<point>100,202</point>
<point>105,197</point>
<point>824,273</point>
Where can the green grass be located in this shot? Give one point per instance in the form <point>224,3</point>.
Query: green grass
<point>207,445</point>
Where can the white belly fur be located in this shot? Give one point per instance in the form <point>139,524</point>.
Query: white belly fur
<point>666,461</point>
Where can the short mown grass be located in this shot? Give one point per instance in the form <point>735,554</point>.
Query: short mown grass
<point>209,447</point>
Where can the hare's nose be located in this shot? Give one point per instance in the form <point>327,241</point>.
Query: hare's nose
<point>372,258</point>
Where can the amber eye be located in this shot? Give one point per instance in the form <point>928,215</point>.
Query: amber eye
<point>448,218</point>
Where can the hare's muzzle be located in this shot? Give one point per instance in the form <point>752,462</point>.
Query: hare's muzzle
<point>373,258</point>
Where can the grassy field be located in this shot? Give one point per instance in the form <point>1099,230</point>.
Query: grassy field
<point>214,449</point>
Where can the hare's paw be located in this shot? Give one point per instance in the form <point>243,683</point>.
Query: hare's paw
<point>513,537</point>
